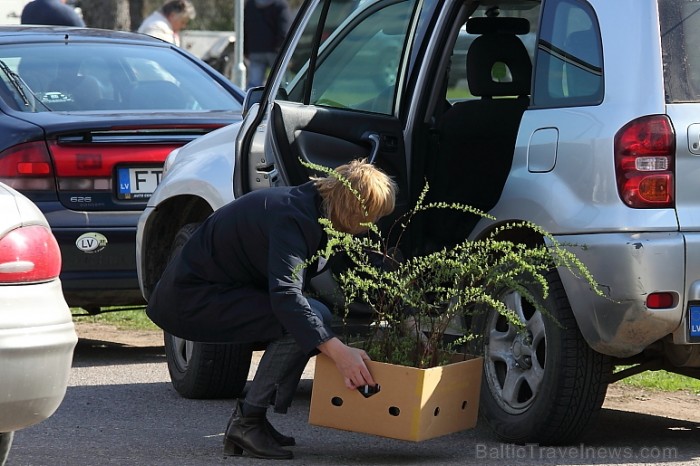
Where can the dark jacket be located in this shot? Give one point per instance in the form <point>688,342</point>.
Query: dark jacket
<point>265,25</point>
<point>50,12</point>
<point>233,281</point>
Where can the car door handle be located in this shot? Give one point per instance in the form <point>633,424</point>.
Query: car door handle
<point>373,139</point>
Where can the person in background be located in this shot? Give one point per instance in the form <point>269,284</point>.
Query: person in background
<point>265,25</point>
<point>167,22</point>
<point>238,279</point>
<point>50,12</point>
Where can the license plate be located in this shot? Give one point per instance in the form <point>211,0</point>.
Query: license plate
<point>695,321</point>
<point>138,183</point>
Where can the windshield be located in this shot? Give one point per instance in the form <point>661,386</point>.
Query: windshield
<point>83,77</point>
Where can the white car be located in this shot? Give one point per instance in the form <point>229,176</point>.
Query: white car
<point>37,335</point>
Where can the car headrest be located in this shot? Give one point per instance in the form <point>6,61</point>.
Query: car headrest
<point>489,49</point>
<point>501,25</point>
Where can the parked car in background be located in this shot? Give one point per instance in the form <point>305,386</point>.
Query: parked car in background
<point>560,121</point>
<point>87,118</point>
<point>37,336</point>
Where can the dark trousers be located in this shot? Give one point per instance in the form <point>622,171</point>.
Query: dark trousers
<point>280,369</point>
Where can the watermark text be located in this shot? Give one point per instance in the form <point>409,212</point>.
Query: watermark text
<point>506,451</point>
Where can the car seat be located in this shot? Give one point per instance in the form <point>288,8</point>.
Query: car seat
<point>477,136</point>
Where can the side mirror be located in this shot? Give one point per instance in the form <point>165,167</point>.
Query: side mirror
<point>252,97</point>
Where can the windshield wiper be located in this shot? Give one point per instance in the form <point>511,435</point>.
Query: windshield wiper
<point>22,88</point>
<point>16,82</point>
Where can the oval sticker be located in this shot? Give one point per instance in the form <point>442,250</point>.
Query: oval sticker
<point>91,242</point>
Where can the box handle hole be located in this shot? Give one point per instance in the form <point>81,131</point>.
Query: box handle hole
<point>368,390</point>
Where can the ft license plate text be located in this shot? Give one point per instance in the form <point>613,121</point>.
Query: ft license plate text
<point>138,183</point>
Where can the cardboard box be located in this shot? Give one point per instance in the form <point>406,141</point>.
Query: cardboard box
<point>412,404</point>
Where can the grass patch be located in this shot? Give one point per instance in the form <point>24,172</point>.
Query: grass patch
<point>129,319</point>
<point>662,380</point>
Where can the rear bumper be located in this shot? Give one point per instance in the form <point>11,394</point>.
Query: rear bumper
<point>37,339</point>
<point>105,275</point>
<point>630,266</point>
<point>101,278</point>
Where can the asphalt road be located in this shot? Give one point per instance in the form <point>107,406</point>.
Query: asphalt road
<point>120,409</point>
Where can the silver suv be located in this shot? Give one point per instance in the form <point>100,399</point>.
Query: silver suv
<point>563,116</point>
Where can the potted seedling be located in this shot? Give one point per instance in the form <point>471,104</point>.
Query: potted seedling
<point>420,331</point>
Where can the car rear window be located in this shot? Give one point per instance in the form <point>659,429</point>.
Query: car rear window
<point>84,77</point>
<point>680,36</point>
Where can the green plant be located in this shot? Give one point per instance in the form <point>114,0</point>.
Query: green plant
<point>416,301</point>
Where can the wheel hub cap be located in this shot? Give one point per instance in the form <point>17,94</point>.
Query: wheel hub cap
<point>522,351</point>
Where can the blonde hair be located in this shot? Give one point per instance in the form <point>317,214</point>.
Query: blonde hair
<point>360,193</point>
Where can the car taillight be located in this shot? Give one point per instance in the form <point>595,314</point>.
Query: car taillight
<point>644,162</point>
<point>29,254</point>
<point>27,167</point>
<point>90,167</point>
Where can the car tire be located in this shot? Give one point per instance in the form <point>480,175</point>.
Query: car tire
<point>543,386</point>
<point>5,444</point>
<point>205,370</point>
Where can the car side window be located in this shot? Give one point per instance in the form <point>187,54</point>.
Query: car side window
<point>569,60</point>
<point>358,62</point>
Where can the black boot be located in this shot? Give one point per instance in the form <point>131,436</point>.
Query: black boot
<point>280,438</point>
<point>251,434</point>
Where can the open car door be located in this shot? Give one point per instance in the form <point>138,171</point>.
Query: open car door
<point>332,97</point>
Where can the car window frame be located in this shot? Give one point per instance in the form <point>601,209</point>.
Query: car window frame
<point>322,52</point>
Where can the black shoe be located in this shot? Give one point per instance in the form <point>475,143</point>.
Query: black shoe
<point>250,434</point>
<point>281,439</point>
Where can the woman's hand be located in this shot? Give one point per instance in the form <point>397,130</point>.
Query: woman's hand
<point>349,361</point>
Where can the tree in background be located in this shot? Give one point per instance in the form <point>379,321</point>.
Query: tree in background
<point>136,13</point>
<point>212,15</point>
<point>106,14</point>
<point>126,15</point>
